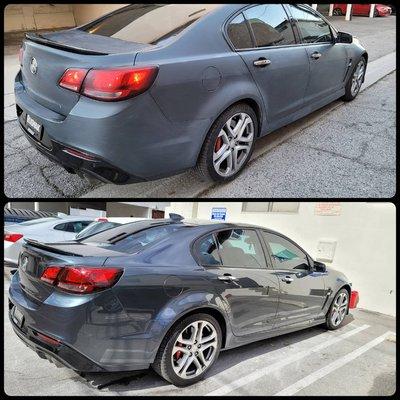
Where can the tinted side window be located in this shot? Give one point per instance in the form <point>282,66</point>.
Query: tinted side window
<point>239,33</point>
<point>60,227</point>
<point>207,251</point>
<point>240,248</point>
<point>271,25</point>
<point>79,225</point>
<point>313,29</point>
<point>285,254</point>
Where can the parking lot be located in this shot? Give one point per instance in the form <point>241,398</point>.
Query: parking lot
<point>358,359</point>
<point>343,149</point>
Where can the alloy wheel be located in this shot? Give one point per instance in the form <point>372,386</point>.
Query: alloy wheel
<point>233,145</point>
<point>194,349</point>
<point>358,78</point>
<point>339,309</point>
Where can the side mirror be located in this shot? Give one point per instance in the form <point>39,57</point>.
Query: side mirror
<point>319,266</point>
<point>344,37</point>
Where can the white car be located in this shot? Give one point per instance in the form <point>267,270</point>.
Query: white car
<point>103,224</point>
<point>52,229</point>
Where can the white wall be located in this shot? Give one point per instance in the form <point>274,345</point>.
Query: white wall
<point>365,235</point>
<point>30,17</point>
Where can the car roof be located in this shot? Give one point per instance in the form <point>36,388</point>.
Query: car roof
<point>203,226</point>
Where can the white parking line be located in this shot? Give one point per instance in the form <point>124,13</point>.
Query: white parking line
<point>308,380</point>
<point>245,380</point>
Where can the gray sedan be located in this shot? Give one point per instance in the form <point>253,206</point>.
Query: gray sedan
<point>169,294</point>
<point>151,90</point>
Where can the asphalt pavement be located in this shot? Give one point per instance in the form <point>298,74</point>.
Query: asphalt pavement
<point>358,359</point>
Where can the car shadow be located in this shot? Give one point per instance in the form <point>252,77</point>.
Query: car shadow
<point>147,379</point>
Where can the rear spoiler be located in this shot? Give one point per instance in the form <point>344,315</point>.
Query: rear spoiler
<point>37,38</point>
<point>49,247</point>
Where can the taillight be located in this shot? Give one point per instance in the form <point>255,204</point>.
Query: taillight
<point>81,279</point>
<point>50,274</point>
<point>13,237</point>
<point>73,78</point>
<point>21,55</point>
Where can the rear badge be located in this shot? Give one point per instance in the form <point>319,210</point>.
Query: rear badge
<point>34,66</point>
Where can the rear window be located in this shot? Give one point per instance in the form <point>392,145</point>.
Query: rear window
<point>148,23</point>
<point>138,241</point>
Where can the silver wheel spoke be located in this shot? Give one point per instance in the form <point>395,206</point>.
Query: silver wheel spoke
<point>237,138</point>
<point>198,352</point>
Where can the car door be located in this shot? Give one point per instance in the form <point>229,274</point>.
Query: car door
<point>302,291</point>
<point>237,268</point>
<point>278,65</point>
<point>328,60</point>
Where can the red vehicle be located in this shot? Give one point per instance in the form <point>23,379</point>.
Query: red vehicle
<point>381,10</point>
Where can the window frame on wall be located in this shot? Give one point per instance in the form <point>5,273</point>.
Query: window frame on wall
<point>270,207</point>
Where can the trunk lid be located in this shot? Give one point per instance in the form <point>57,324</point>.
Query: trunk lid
<point>36,256</point>
<point>54,53</point>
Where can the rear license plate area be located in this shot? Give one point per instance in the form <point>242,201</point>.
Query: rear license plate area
<point>17,317</point>
<point>33,127</point>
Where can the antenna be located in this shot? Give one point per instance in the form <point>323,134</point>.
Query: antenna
<point>176,217</point>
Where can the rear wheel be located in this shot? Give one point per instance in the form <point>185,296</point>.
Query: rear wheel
<point>337,11</point>
<point>189,350</point>
<point>338,310</point>
<point>356,80</point>
<point>229,144</point>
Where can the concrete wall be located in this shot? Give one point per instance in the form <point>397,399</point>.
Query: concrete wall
<point>87,12</point>
<point>365,236</point>
<point>30,17</point>
<point>127,210</point>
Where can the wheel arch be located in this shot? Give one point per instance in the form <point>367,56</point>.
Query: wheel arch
<point>248,100</point>
<point>214,312</point>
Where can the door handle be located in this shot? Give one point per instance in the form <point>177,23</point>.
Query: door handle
<point>262,63</point>
<point>316,55</point>
<point>287,279</point>
<point>227,278</point>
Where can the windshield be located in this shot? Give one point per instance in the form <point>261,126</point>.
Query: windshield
<point>148,23</point>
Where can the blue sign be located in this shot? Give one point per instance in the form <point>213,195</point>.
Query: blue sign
<point>218,214</point>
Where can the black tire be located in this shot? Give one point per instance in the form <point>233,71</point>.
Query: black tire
<point>329,324</point>
<point>162,363</point>
<point>376,13</point>
<point>349,96</point>
<point>205,163</point>
<point>337,12</point>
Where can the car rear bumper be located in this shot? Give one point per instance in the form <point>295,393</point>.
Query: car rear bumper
<point>94,332</point>
<point>61,356</point>
<point>128,141</point>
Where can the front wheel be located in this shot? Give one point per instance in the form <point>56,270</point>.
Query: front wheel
<point>356,80</point>
<point>189,350</point>
<point>338,310</point>
<point>229,144</point>
<point>337,12</point>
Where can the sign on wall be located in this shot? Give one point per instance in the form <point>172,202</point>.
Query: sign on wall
<point>328,209</point>
<point>218,214</point>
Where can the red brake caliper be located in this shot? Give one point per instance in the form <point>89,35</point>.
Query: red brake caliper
<point>218,145</point>
<point>178,354</point>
